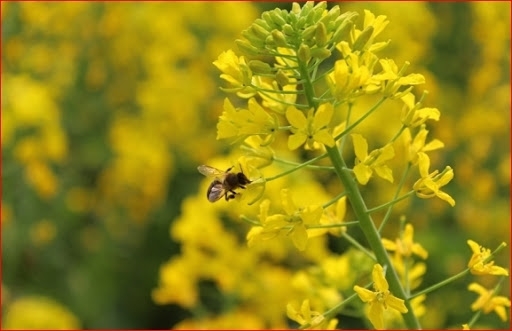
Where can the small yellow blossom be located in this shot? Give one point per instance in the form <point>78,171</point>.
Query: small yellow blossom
<point>478,264</point>
<point>418,145</point>
<point>488,301</point>
<point>429,185</point>
<point>336,217</point>
<point>412,116</point>
<point>465,327</point>
<point>243,123</point>
<point>393,80</point>
<point>381,299</point>
<point>236,72</point>
<point>352,76</point>
<point>305,316</point>
<point>405,246</point>
<point>312,130</point>
<point>367,163</point>
<point>377,25</point>
<point>293,223</point>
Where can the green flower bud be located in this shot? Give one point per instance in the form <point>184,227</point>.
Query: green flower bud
<point>277,17</point>
<point>342,32</point>
<point>330,17</point>
<point>279,38</point>
<point>260,67</point>
<point>288,30</point>
<point>263,24</point>
<point>270,42</point>
<point>268,21</point>
<point>320,34</point>
<point>363,39</point>
<point>301,22</point>
<point>295,9</point>
<point>255,41</point>
<point>309,32</point>
<point>246,48</point>
<point>306,9</point>
<point>304,53</point>
<point>281,78</point>
<point>317,12</point>
<point>259,31</point>
<point>320,53</point>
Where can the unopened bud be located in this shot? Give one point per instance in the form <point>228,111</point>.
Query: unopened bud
<point>304,53</point>
<point>260,67</point>
<point>282,79</point>
<point>320,34</point>
<point>363,38</point>
<point>245,47</point>
<point>279,38</point>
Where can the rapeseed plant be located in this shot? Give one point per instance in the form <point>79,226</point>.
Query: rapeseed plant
<point>301,73</point>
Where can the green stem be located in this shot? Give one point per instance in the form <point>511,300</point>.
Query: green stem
<point>362,118</point>
<point>333,200</point>
<point>300,166</point>
<point>358,204</point>
<point>283,161</point>
<point>440,284</point>
<point>356,244</point>
<point>371,233</point>
<point>395,198</point>
<point>390,203</point>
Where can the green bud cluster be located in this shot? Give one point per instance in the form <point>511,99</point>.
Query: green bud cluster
<point>311,31</point>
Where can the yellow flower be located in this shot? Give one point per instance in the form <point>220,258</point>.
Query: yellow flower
<point>418,145</point>
<point>311,130</point>
<point>405,246</point>
<point>478,264</point>
<point>488,301</point>
<point>305,316</point>
<point>242,123</point>
<point>381,299</point>
<point>377,25</point>
<point>429,185</point>
<point>367,163</point>
<point>293,223</point>
<point>412,116</point>
<point>352,76</point>
<point>236,72</point>
<point>393,80</point>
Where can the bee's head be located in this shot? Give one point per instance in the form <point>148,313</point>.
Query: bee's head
<point>242,178</point>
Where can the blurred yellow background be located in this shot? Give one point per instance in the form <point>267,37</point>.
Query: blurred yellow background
<point>108,108</point>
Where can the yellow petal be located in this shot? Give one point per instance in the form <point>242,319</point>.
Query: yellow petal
<point>363,173</point>
<point>323,116</point>
<point>296,118</point>
<point>380,281</point>
<point>424,164</point>
<point>384,172</point>
<point>360,146</point>
<point>287,202</point>
<point>296,140</point>
<point>364,294</point>
<point>324,137</point>
<point>376,315</point>
<point>300,237</point>
<point>396,304</point>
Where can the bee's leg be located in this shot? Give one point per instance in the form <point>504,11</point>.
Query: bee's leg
<point>241,186</point>
<point>230,196</point>
<point>229,169</point>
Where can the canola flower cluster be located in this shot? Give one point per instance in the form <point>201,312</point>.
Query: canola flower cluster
<point>299,78</point>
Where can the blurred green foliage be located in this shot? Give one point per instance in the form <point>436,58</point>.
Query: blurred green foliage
<point>108,108</point>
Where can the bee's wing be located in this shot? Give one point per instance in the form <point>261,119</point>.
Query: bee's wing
<point>215,191</point>
<point>210,171</point>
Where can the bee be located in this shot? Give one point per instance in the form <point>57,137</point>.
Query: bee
<point>224,184</point>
